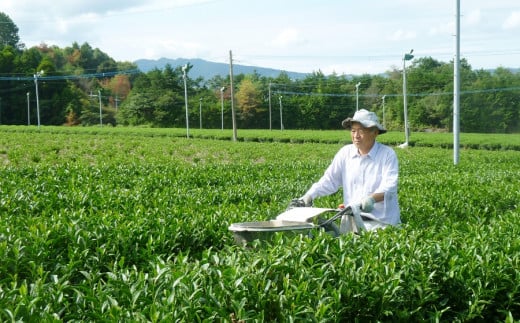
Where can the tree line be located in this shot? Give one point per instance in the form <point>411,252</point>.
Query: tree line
<point>81,85</point>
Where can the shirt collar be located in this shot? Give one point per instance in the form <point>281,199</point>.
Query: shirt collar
<point>371,154</point>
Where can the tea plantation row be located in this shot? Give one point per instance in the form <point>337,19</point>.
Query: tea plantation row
<point>417,139</point>
<point>97,227</point>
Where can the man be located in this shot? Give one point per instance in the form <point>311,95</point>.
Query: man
<point>366,170</point>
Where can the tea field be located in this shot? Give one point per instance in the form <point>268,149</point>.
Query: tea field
<point>111,224</point>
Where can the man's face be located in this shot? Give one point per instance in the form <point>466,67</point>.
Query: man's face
<point>363,138</point>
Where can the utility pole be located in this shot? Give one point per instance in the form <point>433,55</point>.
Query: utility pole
<point>406,57</point>
<point>384,121</point>
<point>281,113</point>
<point>222,89</point>
<point>270,122</point>
<point>36,76</point>
<point>232,96</point>
<point>100,111</point>
<point>357,95</point>
<point>200,113</point>
<point>456,88</point>
<point>28,111</point>
<point>184,76</point>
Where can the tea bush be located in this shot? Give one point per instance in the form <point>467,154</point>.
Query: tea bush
<point>132,227</point>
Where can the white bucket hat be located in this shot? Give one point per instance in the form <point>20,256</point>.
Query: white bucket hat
<point>366,118</point>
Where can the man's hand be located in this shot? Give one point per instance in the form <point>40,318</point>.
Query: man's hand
<point>304,201</point>
<point>367,204</point>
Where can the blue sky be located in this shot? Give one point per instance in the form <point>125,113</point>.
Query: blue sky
<point>346,37</point>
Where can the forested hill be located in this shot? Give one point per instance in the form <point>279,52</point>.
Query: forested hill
<point>207,70</point>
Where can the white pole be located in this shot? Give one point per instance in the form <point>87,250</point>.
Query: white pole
<point>281,113</point>
<point>28,111</point>
<point>100,111</point>
<point>270,122</point>
<point>200,113</point>
<point>406,57</point>
<point>405,105</point>
<point>222,106</point>
<point>357,95</point>
<point>456,87</point>
<point>384,121</point>
<point>184,68</point>
<point>38,74</point>
<point>233,119</point>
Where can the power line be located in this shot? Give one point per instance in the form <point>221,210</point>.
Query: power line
<point>19,88</point>
<point>68,77</point>
<point>503,89</point>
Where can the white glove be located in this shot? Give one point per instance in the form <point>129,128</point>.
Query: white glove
<point>303,201</point>
<point>367,204</point>
<point>307,200</point>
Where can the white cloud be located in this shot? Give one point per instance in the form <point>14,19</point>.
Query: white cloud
<point>288,37</point>
<point>62,25</point>
<point>357,69</point>
<point>473,18</point>
<point>401,34</point>
<point>443,29</point>
<point>185,49</point>
<point>151,54</point>
<point>343,36</point>
<point>513,21</point>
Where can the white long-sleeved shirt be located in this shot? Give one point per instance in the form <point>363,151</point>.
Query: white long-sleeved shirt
<point>360,176</point>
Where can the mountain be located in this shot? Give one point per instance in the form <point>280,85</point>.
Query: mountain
<point>208,70</point>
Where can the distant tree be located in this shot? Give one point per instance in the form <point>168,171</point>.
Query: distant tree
<point>7,59</point>
<point>217,82</point>
<point>375,91</point>
<point>248,101</point>
<point>120,86</point>
<point>427,75</point>
<point>78,101</point>
<point>28,61</point>
<point>9,33</point>
<point>137,110</point>
<point>508,100</point>
<point>156,99</point>
<point>52,107</point>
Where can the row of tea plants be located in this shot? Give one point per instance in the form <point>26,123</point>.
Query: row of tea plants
<point>103,227</point>
<point>340,136</point>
